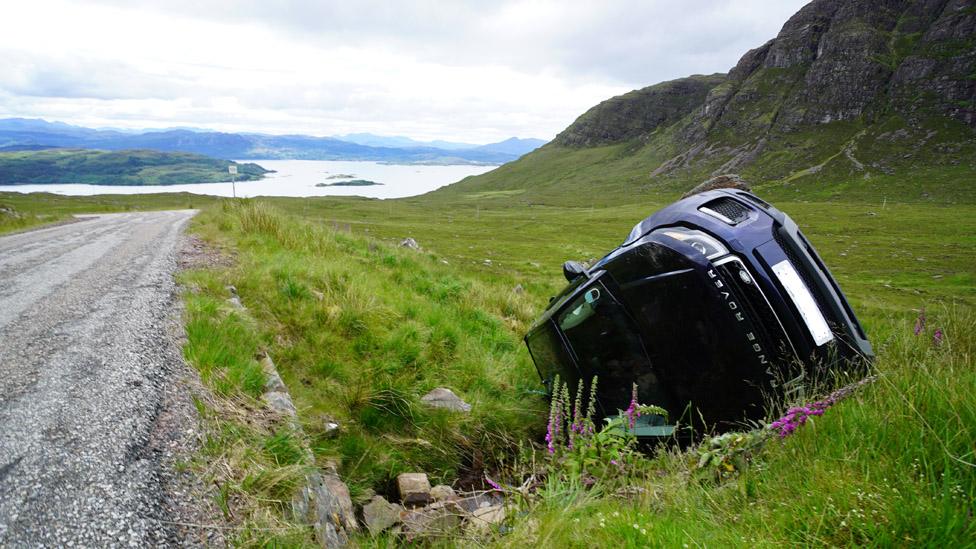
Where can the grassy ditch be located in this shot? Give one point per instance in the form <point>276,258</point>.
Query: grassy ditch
<point>359,330</point>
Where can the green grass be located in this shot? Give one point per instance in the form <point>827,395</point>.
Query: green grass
<point>393,323</point>
<point>361,328</point>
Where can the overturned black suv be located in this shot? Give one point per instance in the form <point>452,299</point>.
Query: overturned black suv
<point>711,306</point>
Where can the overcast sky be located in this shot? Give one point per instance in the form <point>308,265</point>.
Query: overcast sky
<point>465,71</point>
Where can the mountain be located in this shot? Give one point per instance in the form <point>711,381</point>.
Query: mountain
<point>398,141</point>
<point>513,145</point>
<point>21,133</point>
<point>866,98</point>
<point>133,167</point>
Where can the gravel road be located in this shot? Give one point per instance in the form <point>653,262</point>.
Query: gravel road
<point>93,413</point>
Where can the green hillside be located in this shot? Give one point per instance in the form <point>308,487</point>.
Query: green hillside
<point>134,167</point>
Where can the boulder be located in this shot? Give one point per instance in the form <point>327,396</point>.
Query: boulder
<point>725,181</point>
<point>414,488</point>
<point>442,492</point>
<point>380,515</point>
<point>442,397</point>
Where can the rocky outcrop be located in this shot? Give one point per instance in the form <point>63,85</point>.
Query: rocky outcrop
<point>834,60</point>
<point>844,59</point>
<point>639,112</point>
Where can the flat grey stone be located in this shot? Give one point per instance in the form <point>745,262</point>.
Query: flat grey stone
<point>380,515</point>
<point>281,403</point>
<point>442,397</point>
<point>442,492</point>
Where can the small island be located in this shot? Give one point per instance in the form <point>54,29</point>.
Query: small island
<point>341,176</point>
<point>350,183</point>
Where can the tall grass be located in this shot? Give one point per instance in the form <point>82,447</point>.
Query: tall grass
<point>360,330</point>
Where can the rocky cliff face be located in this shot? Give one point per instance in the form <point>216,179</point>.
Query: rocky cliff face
<point>639,112</point>
<point>855,61</point>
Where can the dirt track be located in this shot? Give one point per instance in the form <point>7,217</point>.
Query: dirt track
<point>91,412</point>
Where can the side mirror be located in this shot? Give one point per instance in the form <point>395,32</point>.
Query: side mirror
<point>573,270</point>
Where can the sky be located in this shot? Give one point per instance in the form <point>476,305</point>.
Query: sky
<point>471,71</point>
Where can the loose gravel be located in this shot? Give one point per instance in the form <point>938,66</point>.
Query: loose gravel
<point>95,413</point>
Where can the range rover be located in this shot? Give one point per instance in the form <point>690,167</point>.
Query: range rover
<point>713,306</point>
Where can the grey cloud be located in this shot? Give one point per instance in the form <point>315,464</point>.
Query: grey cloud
<point>637,43</point>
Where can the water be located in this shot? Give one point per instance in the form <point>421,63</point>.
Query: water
<point>297,178</point>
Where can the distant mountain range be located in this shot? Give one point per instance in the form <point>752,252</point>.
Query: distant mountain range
<point>34,134</point>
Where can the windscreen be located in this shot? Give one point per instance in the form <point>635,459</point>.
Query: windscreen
<point>606,344</point>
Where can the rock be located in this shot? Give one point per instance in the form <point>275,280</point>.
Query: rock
<point>726,181</point>
<point>281,403</point>
<point>409,243</point>
<point>638,113</point>
<point>443,397</point>
<point>379,515</point>
<point>442,492</point>
<point>317,505</point>
<point>478,500</point>
<point>482,519</point>
<point>273,382</point>
<point>330,428</point>
<point>487,262</point>
<point>437,520</point>
<point>339,490</point>
<point>414,488</point>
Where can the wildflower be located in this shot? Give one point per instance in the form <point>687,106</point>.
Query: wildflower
<point>797,416</point>
<point>633,411</point>
<point>937,337</point>
<point>920,322</point>
<point>494,484</point>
